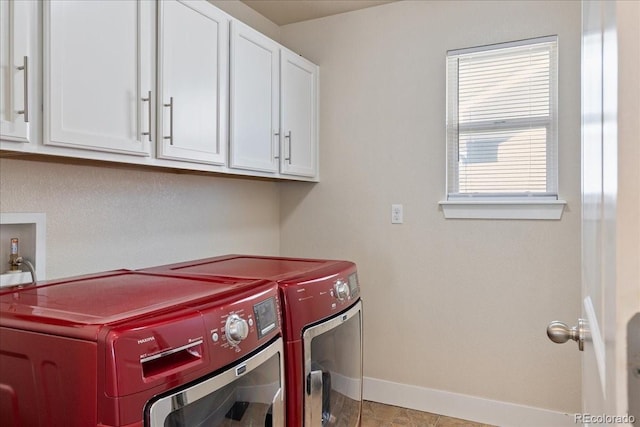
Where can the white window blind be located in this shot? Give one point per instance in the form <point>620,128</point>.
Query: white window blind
<point>502,120</point>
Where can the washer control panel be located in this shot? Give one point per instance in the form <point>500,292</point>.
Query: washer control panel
<point>318,295</point>
<point>345,289</point>
<point>236,329</point>
<point>240,327</point>
<point>341,290</point>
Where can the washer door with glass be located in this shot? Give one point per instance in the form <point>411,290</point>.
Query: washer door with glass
<point>247,394</point>
<point>333,370</point>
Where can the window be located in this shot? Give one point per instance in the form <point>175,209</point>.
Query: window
<point>502,122</point>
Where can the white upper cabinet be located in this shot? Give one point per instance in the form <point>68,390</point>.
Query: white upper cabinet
<point>299,115</point>
<point>254,100</point>
<point>165,83</point>
<point>273,107</point>
<point>193,51</point>
<point>98,72</point>
<point>19,62</point>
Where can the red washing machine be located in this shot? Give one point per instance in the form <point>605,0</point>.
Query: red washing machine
<point>130,348</point>
<point>322,329</point>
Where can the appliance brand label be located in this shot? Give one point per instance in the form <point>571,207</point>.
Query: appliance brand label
<point>144,340</point>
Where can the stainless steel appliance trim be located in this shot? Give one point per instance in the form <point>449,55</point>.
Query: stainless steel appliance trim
<point>171,351</point>
<point>315,390</point>
<point>278,408</point>
<point>307,337</point>
<point>161,409</point>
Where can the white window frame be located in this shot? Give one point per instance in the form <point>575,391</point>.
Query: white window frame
<point>517,205</point>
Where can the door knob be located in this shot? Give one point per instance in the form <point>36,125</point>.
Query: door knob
<point>560,333</point>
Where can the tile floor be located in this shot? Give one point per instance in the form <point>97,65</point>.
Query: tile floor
<point>379,415</point>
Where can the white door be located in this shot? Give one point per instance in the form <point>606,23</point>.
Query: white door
<point>192,81</point>
<point>98,67</point>
<point>254,136</point>
<point>18,74</point>
<point>299,101</point>
<point>610,207</point>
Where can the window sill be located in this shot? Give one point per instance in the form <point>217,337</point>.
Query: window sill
<point>503,209</point>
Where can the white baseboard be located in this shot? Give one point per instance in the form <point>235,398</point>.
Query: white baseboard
<point>456,405</point>
<point>347,386</point>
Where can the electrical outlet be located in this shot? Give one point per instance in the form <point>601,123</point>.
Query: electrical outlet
<point>396,214</point>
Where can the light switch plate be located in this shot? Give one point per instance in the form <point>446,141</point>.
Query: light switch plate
<point>397,216</point>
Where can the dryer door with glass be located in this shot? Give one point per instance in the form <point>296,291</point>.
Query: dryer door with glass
<point>247,393</point>
<point>333,370</point>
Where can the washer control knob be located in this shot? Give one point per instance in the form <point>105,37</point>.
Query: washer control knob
<point>342,291</point>
<point>236,329</point>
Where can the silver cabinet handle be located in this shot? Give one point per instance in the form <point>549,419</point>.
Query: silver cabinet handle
<point>560,333</point>
<point>170,105</point>
<point>25,68</point>
<point>148,99</point>
<point>278,135</point>
<point>288,136</point>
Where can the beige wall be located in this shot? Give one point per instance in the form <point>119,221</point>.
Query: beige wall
<point>103,218</point>
<point>454,305</point>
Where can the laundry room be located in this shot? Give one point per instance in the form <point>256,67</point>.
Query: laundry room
<point>456,293</point>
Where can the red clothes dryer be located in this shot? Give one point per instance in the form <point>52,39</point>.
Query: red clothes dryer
<point>322,328</point>
<point>139,349</point>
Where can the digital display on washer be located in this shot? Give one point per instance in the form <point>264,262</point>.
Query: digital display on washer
<point>266,316</point>
<point>353,283</point>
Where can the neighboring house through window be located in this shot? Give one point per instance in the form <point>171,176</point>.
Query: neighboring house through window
<point>502,122</point>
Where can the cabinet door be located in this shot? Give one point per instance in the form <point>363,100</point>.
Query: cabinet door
<point>98,67</point>
<point>18,76</point>
<point>193,81</point>
<point>298,103</point>
<point>255,100</point>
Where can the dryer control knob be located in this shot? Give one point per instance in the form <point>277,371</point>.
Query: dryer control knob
<point>342,291</point>
<point>236,329</point>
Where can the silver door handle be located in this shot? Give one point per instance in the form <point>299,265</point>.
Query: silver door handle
<point>278,409</point>
<point>315,393</point>
<point>25,68</point>
<point>560,333</point>
<point>170,105</point>
<point>148,99</point>
<point>288,136</point>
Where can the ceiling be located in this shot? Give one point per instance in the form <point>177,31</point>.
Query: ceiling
<point>284,12</point>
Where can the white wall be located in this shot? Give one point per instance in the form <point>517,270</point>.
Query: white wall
<point>453,305</point>
<point>101,218</point>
